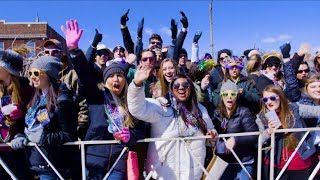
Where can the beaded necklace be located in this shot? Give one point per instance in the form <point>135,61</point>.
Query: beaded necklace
<point>30,116</point>
<point>115,119</point>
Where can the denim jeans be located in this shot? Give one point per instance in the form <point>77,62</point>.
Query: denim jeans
<point>98,174</point>
<point>235,171</point>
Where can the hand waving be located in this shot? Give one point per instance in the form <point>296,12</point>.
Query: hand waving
<point>72,33</point>
<point>142,74</point>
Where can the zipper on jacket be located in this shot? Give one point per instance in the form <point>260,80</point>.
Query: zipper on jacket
<point>110,157</point>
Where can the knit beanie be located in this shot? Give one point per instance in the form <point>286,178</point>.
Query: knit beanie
<point>183,51</point>
<point>229,85</point>
<point>49,64</point>
<point>118,47</point>
<point>227,51</point>
<point>111,69</point>
<point>271,60</point>
<point>11,61</point>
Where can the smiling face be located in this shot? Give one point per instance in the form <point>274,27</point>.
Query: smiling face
<point>181,89</point>
<point>313,90</point>
<point>303,72</point>
<point>39,78</point>
<point>115,83</point>
<point>271,101</point>
<point>168,71</point>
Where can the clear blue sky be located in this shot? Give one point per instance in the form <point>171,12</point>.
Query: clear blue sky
<point>238,25</point>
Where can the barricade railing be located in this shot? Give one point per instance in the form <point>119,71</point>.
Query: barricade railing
<point>183,140</point>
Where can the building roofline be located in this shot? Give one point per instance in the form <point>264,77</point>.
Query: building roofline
<point>4,22</point>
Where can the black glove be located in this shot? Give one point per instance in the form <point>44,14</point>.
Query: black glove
<point>140,28</point>
<point>174,29</point>
<point>97,38</point>
<point>197,36</point>
<point>285,50</point>
<point>124,18</point>
<point>184,20</point>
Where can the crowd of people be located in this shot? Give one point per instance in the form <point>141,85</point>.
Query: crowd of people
<point>132,93</point>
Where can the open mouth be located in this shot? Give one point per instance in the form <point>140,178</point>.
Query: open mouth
<point>116,87</point>
<point>182,93</point>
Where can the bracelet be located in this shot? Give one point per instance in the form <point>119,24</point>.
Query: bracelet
<point>136,84</point>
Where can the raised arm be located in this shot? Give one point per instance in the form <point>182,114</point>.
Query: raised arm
<point>127,40</point>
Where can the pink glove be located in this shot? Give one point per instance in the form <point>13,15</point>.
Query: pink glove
<point>17,113</point>
<point>72,33</point>
<point>123,135</point>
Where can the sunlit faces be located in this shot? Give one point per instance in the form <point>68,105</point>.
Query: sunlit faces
<point>181,89</point>
<point>118,53</point>
<point>115,83</point>
<point>274,68</point>
<point>182,59</point>
<point>155,43</point>
<point>229,98</point>
<point>222,59</point>
<point>102,57</point>
<point>4,74</point>
<point>303,72</point>
<point>313,90</point>
<point>39,78</point>
<point>147,57</point>
<point>168,71</point>
<point>271,101</point>
<point>234,72</point>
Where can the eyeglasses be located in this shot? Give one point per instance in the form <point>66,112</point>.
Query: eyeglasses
<point>36,73</point>
<point>51,51</point>
<point>184,85</point>
<point>151,59</point>
<point>272,98</point>
<point>156,43</point>
<point>275,65</point>
<point>304,70</point>
<point>231,94</point>
<point>102,52</point>
<point>222,58</point>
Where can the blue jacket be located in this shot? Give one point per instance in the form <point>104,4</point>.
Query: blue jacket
<point>100,156</point>
<point>62,128</point>
<point>307,148</point>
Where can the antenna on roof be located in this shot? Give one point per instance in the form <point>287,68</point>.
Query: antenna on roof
<point>37,18</point>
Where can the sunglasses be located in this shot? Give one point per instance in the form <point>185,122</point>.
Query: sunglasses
<point>231,94</point>
<point>155,43</point>
<point>275,65</point>
<point>145,59</point>
<point>36,73</point>
<point>304,70</point>
<point>184,85</point>
<point>51,51</point>
<point>102,52</point>
<point>272,98</point>
<point>222,58</point>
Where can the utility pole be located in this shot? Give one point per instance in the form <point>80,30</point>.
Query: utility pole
<point>211,28</point>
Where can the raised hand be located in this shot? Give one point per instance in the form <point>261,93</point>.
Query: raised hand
<point>184,20</point>
<point>174,29</point>
<point>197,36</point>
<point>285,50</point>
<point>142,74</point>
<point>97,38</point>
<point>124,18</point>
<point>205,82</point>
<point>304,49</point>
<point>140,28</point>
<point>72,33</point>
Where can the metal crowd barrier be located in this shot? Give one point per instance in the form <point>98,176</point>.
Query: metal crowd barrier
<point>182,140</point>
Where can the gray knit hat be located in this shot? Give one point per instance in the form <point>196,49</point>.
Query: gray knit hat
<point>229,85</point>
<point>11,61</point>
<point>113,68</point>
<point>49,64</point>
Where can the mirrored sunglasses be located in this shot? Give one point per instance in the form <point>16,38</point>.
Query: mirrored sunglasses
<point>184,85</point>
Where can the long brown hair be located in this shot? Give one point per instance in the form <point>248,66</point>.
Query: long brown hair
<point>254,66</point>
<point>163,83</point>
<point>316,64</point>
<point>191,104</point>
<point>286,115</point>
<point>223,109</point>
<point>51,96</point>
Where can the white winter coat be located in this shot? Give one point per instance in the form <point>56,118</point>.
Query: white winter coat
<point>165,125</point>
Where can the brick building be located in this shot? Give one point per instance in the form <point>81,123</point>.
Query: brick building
<point>31,33</point>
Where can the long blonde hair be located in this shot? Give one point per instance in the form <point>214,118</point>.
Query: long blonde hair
<point>286,115</point>
<point>254,66</point>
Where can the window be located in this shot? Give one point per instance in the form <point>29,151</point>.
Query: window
<point>32,46</point>
<point>1,45</point>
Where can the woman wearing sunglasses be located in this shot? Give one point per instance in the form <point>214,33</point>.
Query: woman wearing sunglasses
<point>49,121</point>
<point>273,99</point>
<point>231,117</point>
<point>248,94</point>
<point>15,94</point>
<point>184,117</point>
<point>109,115</point>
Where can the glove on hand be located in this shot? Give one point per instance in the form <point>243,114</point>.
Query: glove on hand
<point>174,29</point>
<point>184,20</point>
<point>197,36</point>
<point>97,38</point>
<point>285,50</point>
<point>19,142</point>
<point>124,18</point>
